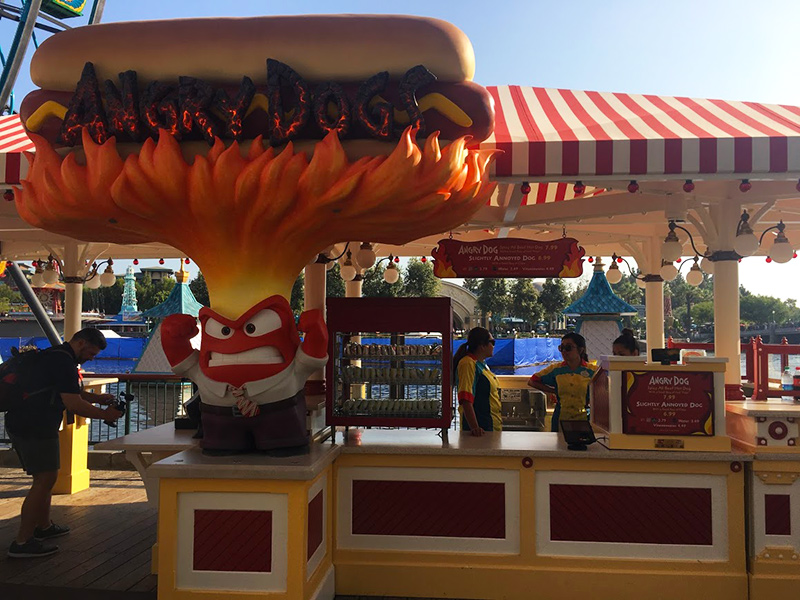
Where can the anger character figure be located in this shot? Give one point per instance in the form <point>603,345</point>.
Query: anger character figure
<point>250,372</point>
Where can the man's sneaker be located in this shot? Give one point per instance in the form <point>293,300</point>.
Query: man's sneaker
<point>31,549</point>
<point>51,532</point>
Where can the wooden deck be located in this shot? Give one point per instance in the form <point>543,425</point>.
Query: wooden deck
<point>107,553</point>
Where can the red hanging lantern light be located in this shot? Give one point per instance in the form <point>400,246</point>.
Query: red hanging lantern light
<point>578,188</point>
<point>590,259</point>
<point>745,186</point>
<point>161,261</point>
<point>688,186</point>
<point>8,195</point>
<point>797,185</point>
<point>423,259</point>
<point>633,187</point>
<point>397,259</point>
<point>135,261</point>
<point>769,259</point>
<point>187,261</point>
<point>525,188</point>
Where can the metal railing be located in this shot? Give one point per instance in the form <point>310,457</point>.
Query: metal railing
<point>157,399</point>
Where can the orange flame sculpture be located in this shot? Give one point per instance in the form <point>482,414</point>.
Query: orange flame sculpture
<point>252,222</point>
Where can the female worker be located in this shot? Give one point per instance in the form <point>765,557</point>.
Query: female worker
<point>478,391</point>
<point>625,344</point>
<point>569,380</point>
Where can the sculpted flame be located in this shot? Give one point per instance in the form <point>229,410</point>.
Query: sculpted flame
<point>252,222</point>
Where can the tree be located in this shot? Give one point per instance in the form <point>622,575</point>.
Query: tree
<point>472,284</point>
<point>374,285</point>
<point>554,298</point>
<point>107,300</point>
<point>493,298</point>
<point>200,290</point>
<point>419,280</point>
<point>8,297</point>
<point>525,303</point>
<point>151,293</point>
<point>334,284</point>
<point>628,290</point>
<point>297,300</point>
<point>684,296</point>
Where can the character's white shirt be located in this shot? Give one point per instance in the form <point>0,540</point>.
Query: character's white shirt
<point>262,391</point>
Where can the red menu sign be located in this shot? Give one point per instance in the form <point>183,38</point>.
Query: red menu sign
<point>667,403</point>
<point>508,258</point>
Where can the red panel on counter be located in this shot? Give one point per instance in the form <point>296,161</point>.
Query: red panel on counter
<point>315,524</point>
<point>429,508</point>
<point>777,514</point>
<point>233,540</point>
<point>626,514</point>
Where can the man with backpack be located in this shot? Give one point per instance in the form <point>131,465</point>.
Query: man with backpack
<point>54,385</point>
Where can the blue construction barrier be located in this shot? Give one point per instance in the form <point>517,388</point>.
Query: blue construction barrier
<point>521,352</point>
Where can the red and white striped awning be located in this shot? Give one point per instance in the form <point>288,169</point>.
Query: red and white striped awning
<point>566,135</point>
<point>13,142</point>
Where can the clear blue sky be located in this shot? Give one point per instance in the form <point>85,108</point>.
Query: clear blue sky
<point>734,50</point>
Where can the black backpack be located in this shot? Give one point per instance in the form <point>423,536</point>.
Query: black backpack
<point>18,377</point>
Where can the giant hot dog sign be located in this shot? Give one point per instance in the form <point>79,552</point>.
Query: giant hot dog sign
<point>253,146</point>
<point>667,403</point>
<point>508,258</point>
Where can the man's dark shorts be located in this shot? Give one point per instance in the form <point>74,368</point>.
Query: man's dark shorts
<point>37,455</point>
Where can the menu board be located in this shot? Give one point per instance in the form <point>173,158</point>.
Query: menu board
<point>508,257</point>
<point>667,403</point>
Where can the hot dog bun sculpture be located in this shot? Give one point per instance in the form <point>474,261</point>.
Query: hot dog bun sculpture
<point>251,145</point>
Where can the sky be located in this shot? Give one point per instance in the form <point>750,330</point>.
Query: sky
<point>727,49</point>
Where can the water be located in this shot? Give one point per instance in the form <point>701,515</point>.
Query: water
<point>774,367</point>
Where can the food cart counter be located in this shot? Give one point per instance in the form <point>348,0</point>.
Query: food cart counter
<point>405,513</point>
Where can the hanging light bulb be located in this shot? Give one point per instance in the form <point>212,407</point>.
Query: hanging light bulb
<point>668,272</point>
<point>746,242</point>
<point>365,256</point>
<point>37,280</point>
<point>707,265</point>
<point>50,275</point>
<point>107,279</point>
<point>613,275</point>
<point>781,251</point>
<point>672,249</point>
<point>348,271</point>
<point>93,283</point>
<point>695,276</point>
<point>391,274</point>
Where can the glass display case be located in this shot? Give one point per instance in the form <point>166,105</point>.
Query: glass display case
<point>390,362</point>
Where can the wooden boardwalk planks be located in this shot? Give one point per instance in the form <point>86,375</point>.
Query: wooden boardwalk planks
<point>107,553</point>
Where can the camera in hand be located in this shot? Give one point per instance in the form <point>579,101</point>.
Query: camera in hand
<point>121,404</point>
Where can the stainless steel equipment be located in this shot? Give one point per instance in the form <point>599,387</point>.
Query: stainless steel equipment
<point>523,409</point>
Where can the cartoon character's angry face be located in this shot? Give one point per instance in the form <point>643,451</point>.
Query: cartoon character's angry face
<point>259,344</point>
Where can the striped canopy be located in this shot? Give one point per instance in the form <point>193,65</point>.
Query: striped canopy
<point>566,135</point>
<point>13,142</point>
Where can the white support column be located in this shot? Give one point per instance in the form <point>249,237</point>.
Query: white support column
<point>352,289</point>
<point>314,288</point>
<point>654,311</point>
<point>73,297</point>
<point>654,294</point>
<point>727,342</point>
<point>314,297</point>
